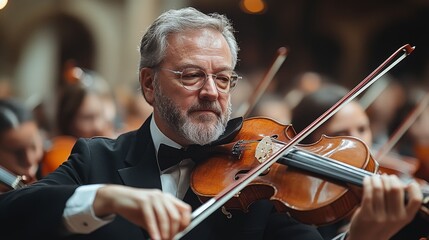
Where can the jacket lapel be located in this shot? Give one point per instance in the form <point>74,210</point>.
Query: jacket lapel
<point>143,169</point>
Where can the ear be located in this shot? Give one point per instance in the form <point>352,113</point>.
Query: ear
<point>146,84</point>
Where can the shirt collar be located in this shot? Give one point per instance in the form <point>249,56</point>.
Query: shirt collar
<point>158,137</point>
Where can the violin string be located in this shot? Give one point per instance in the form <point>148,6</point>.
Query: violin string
<point>325,166</point>
<point>307,166</point>
<point>336,164</point>
<point>330,166</point>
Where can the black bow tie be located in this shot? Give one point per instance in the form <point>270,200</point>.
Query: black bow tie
<point>169,156</point>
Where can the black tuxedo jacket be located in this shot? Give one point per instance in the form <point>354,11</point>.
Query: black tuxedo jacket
<point>36,211</point>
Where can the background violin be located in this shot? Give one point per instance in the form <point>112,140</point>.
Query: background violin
<point>9,181</point>
<point>59,150</point>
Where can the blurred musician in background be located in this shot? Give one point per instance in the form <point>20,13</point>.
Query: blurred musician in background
<point>86,108</point>
<point>21,142</point>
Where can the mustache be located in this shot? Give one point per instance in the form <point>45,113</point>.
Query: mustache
<point>206,106</point>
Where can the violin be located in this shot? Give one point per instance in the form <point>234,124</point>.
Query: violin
<point>315,183</point>
<point>57,153</point>
<point>10,181</point>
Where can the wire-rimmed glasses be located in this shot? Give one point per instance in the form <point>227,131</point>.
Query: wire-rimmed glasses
<point>194,79</point>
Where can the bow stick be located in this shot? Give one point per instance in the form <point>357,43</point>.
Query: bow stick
<point>245,108</point>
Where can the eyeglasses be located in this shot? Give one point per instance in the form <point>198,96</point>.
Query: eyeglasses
<point>194,79</point>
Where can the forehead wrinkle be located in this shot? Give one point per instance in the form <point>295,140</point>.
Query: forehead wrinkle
<point>205,49</point>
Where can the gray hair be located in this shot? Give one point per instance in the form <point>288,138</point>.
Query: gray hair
<point>154,43</point>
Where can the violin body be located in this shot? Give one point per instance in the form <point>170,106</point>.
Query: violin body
<point>308,197</point>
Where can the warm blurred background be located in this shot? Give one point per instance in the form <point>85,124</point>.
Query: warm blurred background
<point>74,63</point>
<point>46,44</point>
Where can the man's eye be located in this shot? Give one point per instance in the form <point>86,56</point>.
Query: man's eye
<point>223,78</point>
<point>193,75</point>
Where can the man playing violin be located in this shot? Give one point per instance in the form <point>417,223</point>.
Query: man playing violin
<point>119,189</point>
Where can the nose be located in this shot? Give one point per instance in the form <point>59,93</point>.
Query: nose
<point>28,164</point>
<point>209,90</point>
<point>29,158</point>
<point>98,126</point>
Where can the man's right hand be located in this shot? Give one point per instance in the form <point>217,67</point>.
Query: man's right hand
<point>161,214</point>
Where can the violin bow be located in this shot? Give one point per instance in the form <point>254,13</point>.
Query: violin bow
<point>403,127</point>
<point>245,108</point>
<point>220,199</point>
<point>371,94</point>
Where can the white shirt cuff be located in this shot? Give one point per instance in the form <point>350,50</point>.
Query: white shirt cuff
<point>79,214</point>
